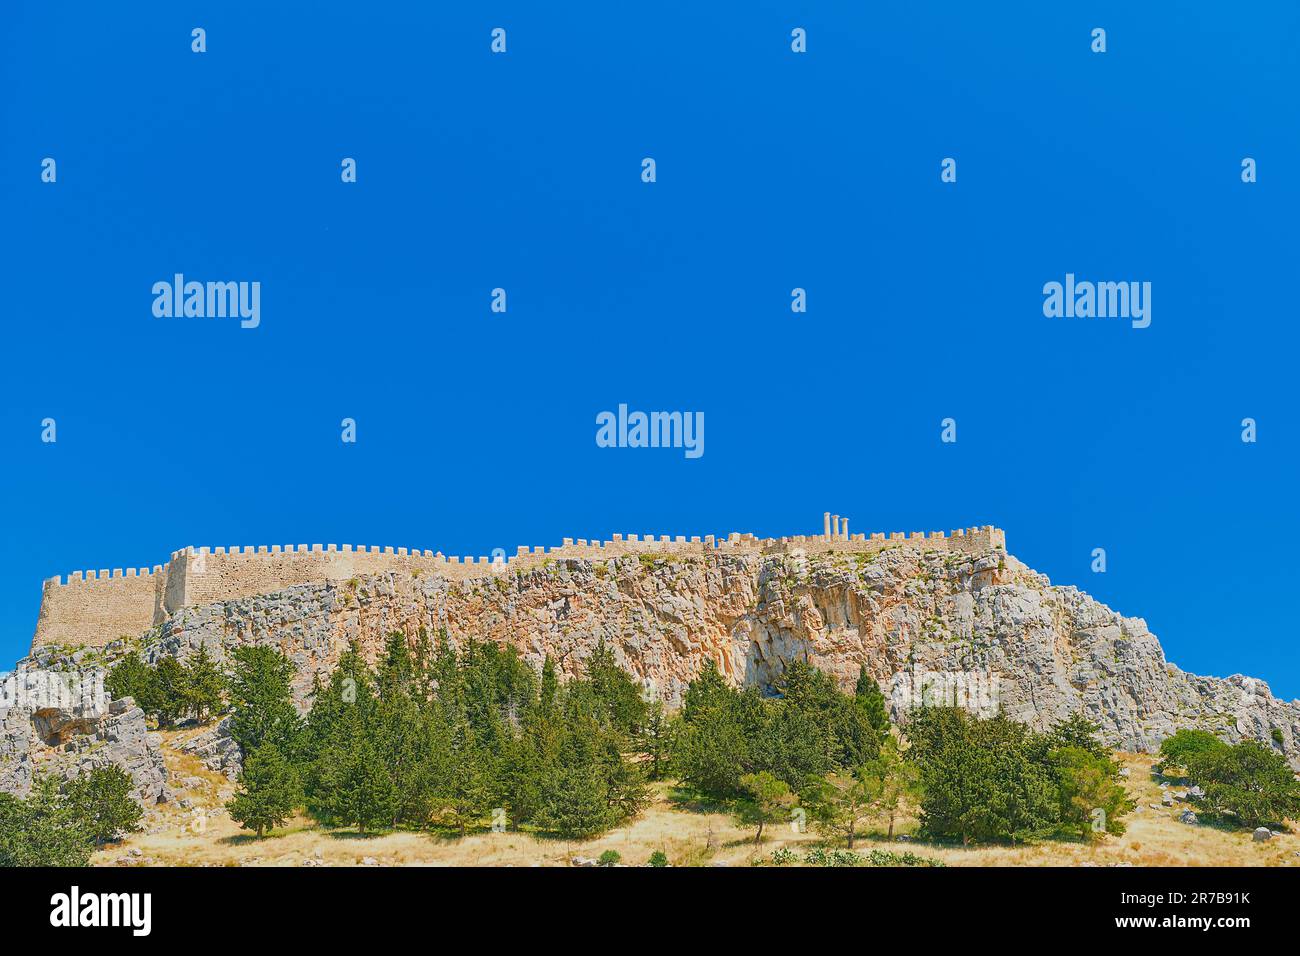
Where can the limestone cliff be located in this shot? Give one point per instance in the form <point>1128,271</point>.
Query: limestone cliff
<point>64,743</point>
<point>1045,650</point>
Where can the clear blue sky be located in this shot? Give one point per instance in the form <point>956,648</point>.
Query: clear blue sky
<point>476,430</point>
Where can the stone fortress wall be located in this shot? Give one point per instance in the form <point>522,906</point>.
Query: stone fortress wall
<point>92,609</point>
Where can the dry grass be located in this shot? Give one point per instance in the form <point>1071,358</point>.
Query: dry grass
<point>689,837</point>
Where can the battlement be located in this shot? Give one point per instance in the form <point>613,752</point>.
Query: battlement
<point>96,607</point>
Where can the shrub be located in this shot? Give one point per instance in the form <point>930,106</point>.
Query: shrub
<point>658,858</point>
<point>907,858</point>
<point>43,830</point>
<point>609,858</point>
<point>102,802</point>
<point>1185,746</point>
<point>983,780</point>
<point>824,857</point>
<point>1249,780</point>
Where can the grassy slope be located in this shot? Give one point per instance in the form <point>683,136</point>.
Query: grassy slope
<point>688,837</point>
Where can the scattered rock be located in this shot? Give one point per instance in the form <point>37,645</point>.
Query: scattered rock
<point>1262,834</point>
<point>1187,816</point>
<point>583,861</point>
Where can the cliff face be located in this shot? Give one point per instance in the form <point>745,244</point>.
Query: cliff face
<point>65,744</point>
<point>979,626</point>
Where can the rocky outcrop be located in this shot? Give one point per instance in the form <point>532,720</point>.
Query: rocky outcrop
<point>922,622</point>
<point>214,746</point>
<point>67,743</point>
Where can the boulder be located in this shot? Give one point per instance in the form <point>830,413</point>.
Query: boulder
<point>1262,834</point>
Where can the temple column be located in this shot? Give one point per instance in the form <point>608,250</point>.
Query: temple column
<point>835,524</point>
<point>826,517</point>
<point>844,529</point>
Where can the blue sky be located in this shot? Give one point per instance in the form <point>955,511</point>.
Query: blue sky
<point>774,171</point>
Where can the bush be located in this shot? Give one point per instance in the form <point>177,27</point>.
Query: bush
<point>1249,781</point>
<point>609,858</point>
<point>1092,798</point>
<point>658,858</point>
<point>907,858</point>
<point>43,830</point>
<point>1186,746</point>
<point>102,802</point>
<point>983,780</point>
<point>824,857</point>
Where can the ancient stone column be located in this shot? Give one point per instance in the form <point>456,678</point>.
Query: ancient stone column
<point>835,523</point>
<point>844,529</point>
<point>826,517</point>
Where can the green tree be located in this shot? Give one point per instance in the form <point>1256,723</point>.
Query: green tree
<point>362,793</point>
<point>166,695</point>
<point>766,799</point>
<point>131,677</point>
<point>269,791</point>
<point>262,700</point>
<point>655,740</point>
<point>1076,731</point>
<point>713,751</point>
<point>620,698</point>
<point>983,779</point>
<point>840,802</point>
<point>1248,780</point>
<point>1185,747</point>
<point>101,800</point>
<point>472,785</point>
<point>872,701</point>
<point>204,685</point>
<point>1092,799</point>
<point>895,779</point>
<point>43,830</point>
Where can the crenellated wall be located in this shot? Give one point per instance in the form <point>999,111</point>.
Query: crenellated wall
<point>93,609</point>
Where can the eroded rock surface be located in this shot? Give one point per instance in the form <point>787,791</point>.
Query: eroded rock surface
<point>1045,651</point>
<point>68,743</point>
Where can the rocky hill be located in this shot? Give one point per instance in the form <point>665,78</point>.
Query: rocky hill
<point>951,623</point>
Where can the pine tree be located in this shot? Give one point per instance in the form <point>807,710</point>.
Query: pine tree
<point>269,791</point>
<point>204,685</point>
<point>101,800</point>
<point>872,700</point>
<point>766,800</point>
<point>43,830</point>
<point>167,695</point>
<point>262,700</point>
<point>840,802</point>
<point>896,780</point>
<point>655,740</point>
<point>400,730</point>
<point>619,697</point>
<point>1092,797</point>
<point>131,677</point>
<point>471,788</point>
<point>550,687</point>
<point>365,795</point>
